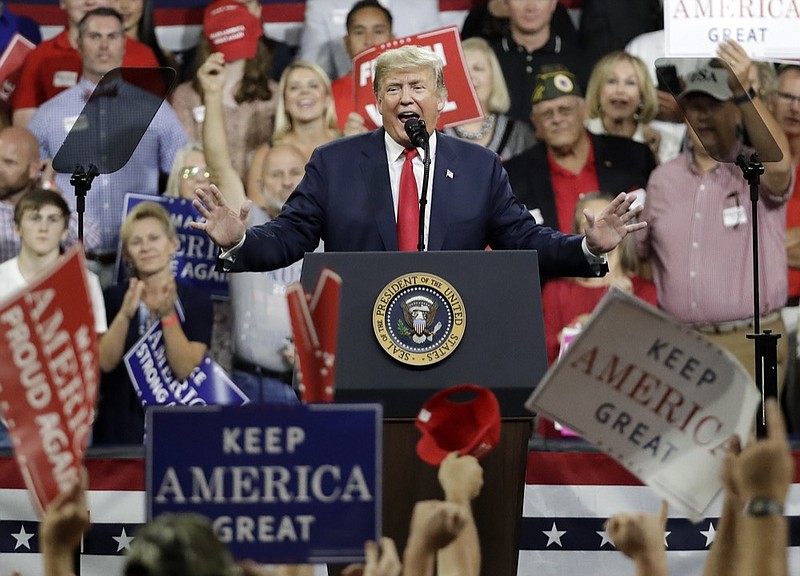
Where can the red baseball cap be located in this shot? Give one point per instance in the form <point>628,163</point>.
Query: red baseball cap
<point>471,427</point>
<point>232,29</point>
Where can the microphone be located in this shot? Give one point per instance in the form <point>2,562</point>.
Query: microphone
<point>417,132</point>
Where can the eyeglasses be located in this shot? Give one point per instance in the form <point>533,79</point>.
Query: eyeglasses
<point>195,172</point>
<point>790,99</point>
<point>550,114</point>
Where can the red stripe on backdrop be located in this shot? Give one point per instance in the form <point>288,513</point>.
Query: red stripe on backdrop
<point>44,14</point>
<point>288,12</point>
<point>104,474</point>
<point>52,15</point>
<point>589,469</point>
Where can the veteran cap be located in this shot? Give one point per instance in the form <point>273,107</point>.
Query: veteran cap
<point>554,82</point>
<point>450,423</point>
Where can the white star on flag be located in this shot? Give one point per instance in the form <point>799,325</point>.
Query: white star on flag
<point>554,535</point>
<point>606,539</point>
<point>666,535</point>
<point>709,534</point>
<point>22,538</point>
<point>123,541</point>
<point>449,174</point>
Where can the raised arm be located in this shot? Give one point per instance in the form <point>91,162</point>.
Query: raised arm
<point>461,478</point>
<point>723,557</point>
<point>215,144</point>
<point>777,175</point>
<point>640,537</point>
<point>762,474</point>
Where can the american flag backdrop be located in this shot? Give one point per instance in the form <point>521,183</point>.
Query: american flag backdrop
<point>568,496</point>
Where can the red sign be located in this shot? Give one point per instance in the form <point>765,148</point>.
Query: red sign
<point>315,325</point>
<point>49,374</point>
<point>462,102</point>
<point>11,62</point>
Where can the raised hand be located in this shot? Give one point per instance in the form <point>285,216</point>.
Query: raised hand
<point>765,468</point>
<point>461,478</point>
<point>732,52</point>
<point>211,74</point>
<point>224,226</point>
<point>606,230</point>
<point>639,535</point>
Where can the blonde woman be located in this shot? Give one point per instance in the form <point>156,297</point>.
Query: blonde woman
<point>189,172</point>
<point>504,135</point>
<point>305,118</point>
<point>153,294</point>
<point>622,102</point>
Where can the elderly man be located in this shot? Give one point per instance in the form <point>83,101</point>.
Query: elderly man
<point>699,214</point>
<point>362,193</point>
<point>101,42</point>
<point>568,161</point>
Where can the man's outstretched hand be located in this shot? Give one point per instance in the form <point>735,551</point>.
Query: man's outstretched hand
<point>604,231</point>
<point>222,224</point>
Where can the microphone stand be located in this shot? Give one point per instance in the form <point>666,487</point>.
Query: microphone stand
<point>766,343</point>
<point>423,197</point>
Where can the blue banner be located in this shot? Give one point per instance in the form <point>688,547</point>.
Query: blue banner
<point>281,484</point>
<point>196,258</point>
<point>156,385</point>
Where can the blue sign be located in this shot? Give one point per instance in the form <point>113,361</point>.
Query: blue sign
<point>156,385</point>
<point>281,484</point>
<point>196,259</point>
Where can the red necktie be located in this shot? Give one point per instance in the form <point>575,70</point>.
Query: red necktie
<point>408,205</point>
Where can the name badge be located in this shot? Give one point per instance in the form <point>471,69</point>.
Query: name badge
<point>199,114</point>
<point>79,122</point>
<point>65,78</point>
<point>733,216</point>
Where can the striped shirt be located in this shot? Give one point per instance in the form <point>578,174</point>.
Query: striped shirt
<point>699,241</point>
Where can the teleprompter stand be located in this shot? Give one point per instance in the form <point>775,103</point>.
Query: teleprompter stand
<point>766,343</point>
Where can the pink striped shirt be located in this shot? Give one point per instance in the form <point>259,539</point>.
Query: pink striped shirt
<point>699,242</point>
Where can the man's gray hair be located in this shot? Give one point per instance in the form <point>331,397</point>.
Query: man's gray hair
<point>407,57</point>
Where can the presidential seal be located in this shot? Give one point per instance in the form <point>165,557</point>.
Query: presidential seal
<point>419,319</point>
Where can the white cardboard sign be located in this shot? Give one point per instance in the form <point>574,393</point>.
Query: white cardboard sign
<point>654,394</point>
<point>767,30</point>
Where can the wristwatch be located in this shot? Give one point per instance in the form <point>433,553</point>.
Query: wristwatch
<point>746,97</point>
<point>760,507</point>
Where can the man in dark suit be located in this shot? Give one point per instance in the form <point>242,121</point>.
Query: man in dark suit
<point>568,161</point>
<point>353,190</point>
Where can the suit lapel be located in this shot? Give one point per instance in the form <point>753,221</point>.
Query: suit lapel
<point>444,182</point>
<point>376,177</point>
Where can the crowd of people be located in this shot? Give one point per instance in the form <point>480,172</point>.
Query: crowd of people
<point>265,139</point>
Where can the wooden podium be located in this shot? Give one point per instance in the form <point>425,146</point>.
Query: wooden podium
<point>502,349</point>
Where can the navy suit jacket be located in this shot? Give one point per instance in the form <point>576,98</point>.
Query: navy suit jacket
<point>345,199</point>
<point>622,165</point>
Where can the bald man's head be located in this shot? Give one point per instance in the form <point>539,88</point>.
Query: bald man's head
<point>19,162</point>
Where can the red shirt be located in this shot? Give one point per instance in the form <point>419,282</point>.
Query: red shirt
<point>793,221</point>
<point>344,98</point>
<point>54,65</point>
<point>569,187</point>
